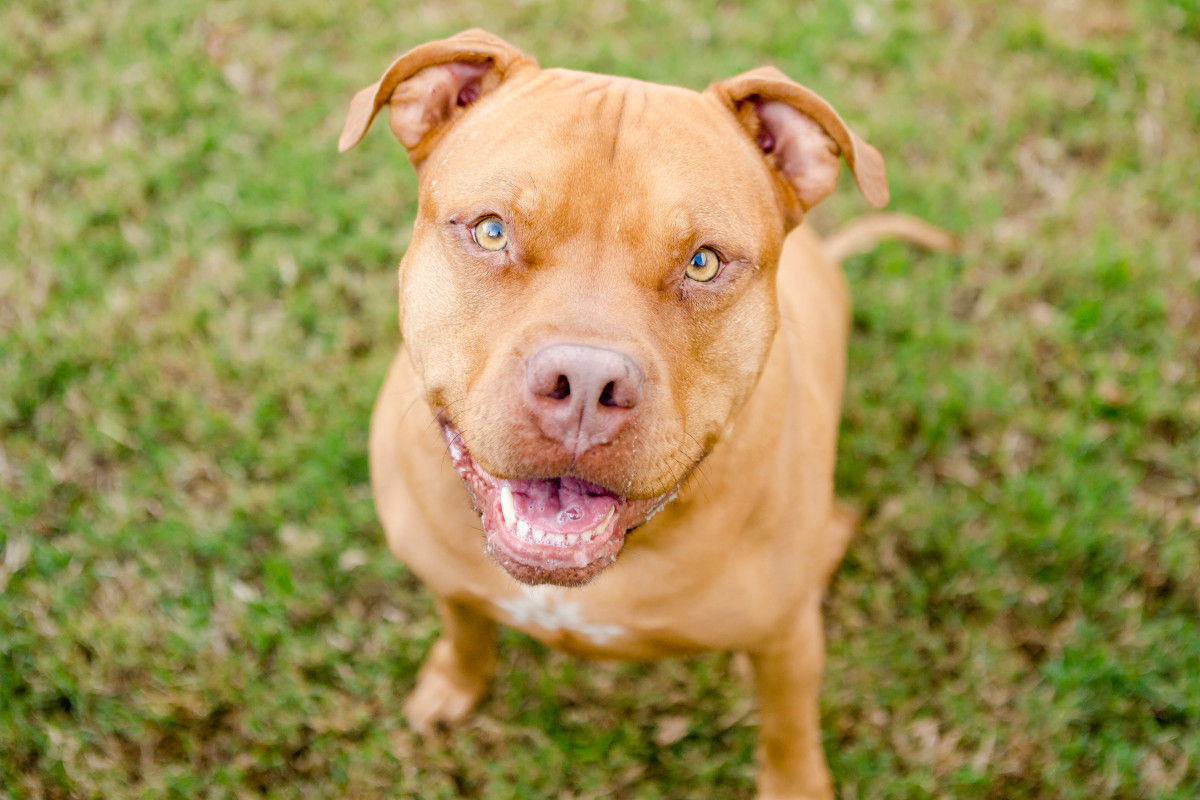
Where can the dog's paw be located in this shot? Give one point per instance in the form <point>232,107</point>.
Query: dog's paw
<point>444,696</point>
<point>438,702</point>
<point>820,795</point>
<point>811,784</point>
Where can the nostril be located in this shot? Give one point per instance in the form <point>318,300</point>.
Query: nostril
<point>606,395</point>
<point>562,388</point>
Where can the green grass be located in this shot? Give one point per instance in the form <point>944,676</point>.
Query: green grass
<point>197,306</point>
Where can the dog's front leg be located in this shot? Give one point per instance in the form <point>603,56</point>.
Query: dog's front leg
<point>457,671</point>
<point>787,676</point>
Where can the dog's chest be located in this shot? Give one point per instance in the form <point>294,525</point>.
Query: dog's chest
<point>554,615</point>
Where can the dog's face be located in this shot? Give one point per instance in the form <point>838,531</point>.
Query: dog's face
<point>624,229</point>
<point>588,298</point>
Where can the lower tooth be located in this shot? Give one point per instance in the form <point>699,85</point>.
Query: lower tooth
<point>573,538</point>
<point>596,531</point>
<point>522,528</point>
<point>507,507</point>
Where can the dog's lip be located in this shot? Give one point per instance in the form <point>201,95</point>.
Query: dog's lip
<point>567,549</point>
<point>552,557</point>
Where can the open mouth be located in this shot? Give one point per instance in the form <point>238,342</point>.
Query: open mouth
<point>561,530</point>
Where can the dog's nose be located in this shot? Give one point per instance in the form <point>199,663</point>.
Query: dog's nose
<point>582,396</point>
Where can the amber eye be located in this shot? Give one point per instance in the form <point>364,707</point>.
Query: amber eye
<point>489,233</point>
<point>704,266</point>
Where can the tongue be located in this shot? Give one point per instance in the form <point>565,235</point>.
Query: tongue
<point>561,505</point>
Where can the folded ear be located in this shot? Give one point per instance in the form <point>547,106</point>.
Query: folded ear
<point>430,86</point>
<point>802,137</point>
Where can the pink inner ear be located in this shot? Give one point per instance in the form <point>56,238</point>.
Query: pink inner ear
<point>470,92</point>
<point>803,153</point>
<point>428,99</point>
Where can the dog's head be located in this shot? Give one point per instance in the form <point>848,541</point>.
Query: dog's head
<point>589,295</point>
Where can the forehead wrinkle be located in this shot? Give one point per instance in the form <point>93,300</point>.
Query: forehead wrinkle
<point>607,153</point>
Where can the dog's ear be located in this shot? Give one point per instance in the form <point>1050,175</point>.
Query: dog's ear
<point>802,138</point>
<point>430,86</point>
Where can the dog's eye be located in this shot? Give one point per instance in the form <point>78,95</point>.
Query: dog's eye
<point>704,266</point>
<point>489,233</point>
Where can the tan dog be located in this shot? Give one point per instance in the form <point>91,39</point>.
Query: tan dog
<point>590,306</point>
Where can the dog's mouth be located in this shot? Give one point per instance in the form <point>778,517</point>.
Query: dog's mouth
<point>561,530</point>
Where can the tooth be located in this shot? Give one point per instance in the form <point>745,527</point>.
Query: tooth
<point>507,507</point>
<point>573,538</point>
<point>523,529</point>
<point>587,535</point>
<point>539,534</point>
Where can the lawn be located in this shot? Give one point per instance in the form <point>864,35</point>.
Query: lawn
<point>197,306</point>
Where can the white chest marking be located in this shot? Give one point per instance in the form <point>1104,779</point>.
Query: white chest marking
<point>546,608</point>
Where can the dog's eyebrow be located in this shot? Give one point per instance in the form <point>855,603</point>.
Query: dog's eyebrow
<point>494,192</point>
<point>713,225</point>
<point>501,183</point>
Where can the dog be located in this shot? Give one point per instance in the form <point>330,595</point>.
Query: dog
<point>623,358</point>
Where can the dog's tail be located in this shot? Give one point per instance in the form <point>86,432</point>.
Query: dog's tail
<point>860,235</point>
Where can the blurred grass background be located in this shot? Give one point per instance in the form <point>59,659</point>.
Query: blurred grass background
<point>197,306</point>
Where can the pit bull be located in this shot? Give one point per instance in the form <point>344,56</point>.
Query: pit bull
<point>613,419</point>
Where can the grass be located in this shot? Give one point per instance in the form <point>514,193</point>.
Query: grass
<point>197,306</point>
